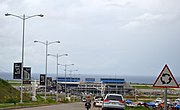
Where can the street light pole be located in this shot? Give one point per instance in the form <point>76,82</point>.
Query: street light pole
<point>24,17</point>
<point>65,65</point>
<point>46,44</point>
<point>71,72</point>
<point>57,57</point>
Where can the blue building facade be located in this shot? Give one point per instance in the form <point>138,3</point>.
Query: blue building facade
<point>68,79</point>
<point>112,80</point>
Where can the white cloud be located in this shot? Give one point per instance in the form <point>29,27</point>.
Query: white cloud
<point>98,35</point>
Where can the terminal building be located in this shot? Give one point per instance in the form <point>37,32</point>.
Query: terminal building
<point>91,86</point>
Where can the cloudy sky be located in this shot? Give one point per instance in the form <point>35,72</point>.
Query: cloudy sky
<point>114,37</point>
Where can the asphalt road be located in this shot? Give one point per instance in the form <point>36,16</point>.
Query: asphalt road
<point>68,106</point>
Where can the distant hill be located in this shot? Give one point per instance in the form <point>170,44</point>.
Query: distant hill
<point>129,78</point>
<point>9,94</point>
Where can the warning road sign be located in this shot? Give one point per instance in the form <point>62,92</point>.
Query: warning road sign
<point>166,79</point>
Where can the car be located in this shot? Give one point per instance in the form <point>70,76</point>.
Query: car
<point>130,103</point>
<point>151,104</point>
<point>98,103</point>
<point>169,102</point>
<point>113,101</point>
<point>83,99</point>
<point>177,102</point>
<point>158,101</point>
<point>98,96</point>
<point>98,100</point>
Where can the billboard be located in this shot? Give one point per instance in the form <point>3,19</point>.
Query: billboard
<point>26,75</point>
<point>49,81</point>
<point>42,79</point>
<point>17,71</point>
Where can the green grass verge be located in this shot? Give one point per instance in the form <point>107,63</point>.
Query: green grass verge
<point>137,108</point>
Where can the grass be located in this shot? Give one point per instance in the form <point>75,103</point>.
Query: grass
<point>137,108</point>
<point>26,104</point>
<point>8,94</point>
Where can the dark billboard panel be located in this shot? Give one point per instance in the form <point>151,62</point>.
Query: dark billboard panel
<point>42,79</point>
<point>49,81</point>
<point>26,75</point>
<point>17,71</point>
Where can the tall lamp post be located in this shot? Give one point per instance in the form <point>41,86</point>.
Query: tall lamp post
<point>24,17</point>
<point>65,65</point>
<point>57,56</point>
<point>46,44</point>
<point>72,71</point>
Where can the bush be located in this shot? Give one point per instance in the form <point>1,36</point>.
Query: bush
<point>39,98</point>
<point>49,100</point>
<point>12,100</point>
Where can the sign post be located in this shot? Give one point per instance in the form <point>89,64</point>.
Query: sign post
<point>166,80</point>
<point>165,99</point>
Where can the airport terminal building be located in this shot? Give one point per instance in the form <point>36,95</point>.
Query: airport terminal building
<point>91,86</point>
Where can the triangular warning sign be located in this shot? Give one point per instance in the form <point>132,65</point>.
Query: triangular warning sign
<point>166,79</point>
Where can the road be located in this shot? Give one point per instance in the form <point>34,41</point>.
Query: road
<point>67,106</point>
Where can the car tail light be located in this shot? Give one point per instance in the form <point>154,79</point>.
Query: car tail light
<point>106,100</point>
<point>122,101</point>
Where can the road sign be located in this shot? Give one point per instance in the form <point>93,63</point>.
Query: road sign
<point>166,79</point>
<point>26,75</point>
<point>17,71</point>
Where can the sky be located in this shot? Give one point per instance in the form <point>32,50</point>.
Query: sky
<point>105,37</point>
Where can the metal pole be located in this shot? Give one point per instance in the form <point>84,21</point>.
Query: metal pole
<point>23,40</point>
<point>70,75</point>
<point>65,77</point>
<point>74,77</point>
<point>57,58</point>
<point>22,72</point>
<point>57,81</point>
<point>65,81</point>
<point>165,99</point>
<point>46,68</point>
<point>135,93</point>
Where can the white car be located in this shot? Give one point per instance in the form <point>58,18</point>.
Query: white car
<point>113,102</point>
<point>158,101</point>
<point>83,99</point>
<point>177,102</point>
<point>98,100</point>
<point>98,103</point>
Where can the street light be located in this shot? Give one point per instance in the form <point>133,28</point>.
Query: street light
<point>72,71</point>
<point>57,56</point>
<point>24,17</point>
<point>65,65</point>
<point>46,43</point>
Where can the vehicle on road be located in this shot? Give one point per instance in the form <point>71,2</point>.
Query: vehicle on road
<point>130,103</point>
<point>176,102</point>
<point>84,99</point>
<point>87,105</point>
<point>98,100</point>
<point>113,101</point>
<point>158,101</point>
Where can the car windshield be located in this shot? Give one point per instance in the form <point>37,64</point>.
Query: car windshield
<point>98,97</point>
<point>114,97</point>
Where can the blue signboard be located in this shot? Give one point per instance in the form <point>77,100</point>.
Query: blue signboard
<point>89,79</point>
